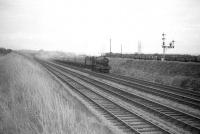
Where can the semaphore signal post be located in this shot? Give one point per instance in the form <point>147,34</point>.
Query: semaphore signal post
<point>110,47</point>
<point>164,46</point>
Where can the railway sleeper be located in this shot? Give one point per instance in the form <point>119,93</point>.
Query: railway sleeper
<point>175,114</point>
<point>113,109</point>
<point>149,129</point>
<point>180,117</point>
<point>116,111</point>
<point>154,132</point>
<point>168,112</point>
<point>128,131</point>
<point>139,123</point>
<point>98,99</point>
<point>192,123</point>
<point>189,120</point>
<point>110,119</point>
<point>119,114</point>
<point>111,106</point>
<point>122,127</point>
<point>105,103</point>
<point>131,120</point>
<point>156,108</point>
<point>126,117</point>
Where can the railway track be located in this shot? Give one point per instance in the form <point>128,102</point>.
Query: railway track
<point>124,119</point>
<point>184,92</point>
<point>183,97</point>
<point>172,116</point>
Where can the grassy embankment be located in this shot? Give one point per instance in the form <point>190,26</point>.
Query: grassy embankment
<point>185,75</point>
<point>31,102</point>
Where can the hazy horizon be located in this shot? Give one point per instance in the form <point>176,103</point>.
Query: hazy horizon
<point>86,26</point>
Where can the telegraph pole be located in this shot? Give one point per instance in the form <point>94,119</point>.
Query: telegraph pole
<point>121,50</point>
<point>110,47</point>
<point>139,47</point>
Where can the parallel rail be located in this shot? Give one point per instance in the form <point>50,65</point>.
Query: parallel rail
<point>181,120</point>
<point>182,97</point>
<point>124,119</point>
<point>184,92</point>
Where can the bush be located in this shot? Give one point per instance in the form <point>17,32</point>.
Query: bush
<point>4,51</point>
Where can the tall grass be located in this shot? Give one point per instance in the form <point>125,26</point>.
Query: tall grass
<point>185,75</point>
<point>31,102</point>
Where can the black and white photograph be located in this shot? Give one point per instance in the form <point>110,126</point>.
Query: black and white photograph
<point>99,66</point>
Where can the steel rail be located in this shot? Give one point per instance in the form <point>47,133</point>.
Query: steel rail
<point>180,119</point>
<point>194,103</point>
<point>121,111</point>
<point>184,92</point>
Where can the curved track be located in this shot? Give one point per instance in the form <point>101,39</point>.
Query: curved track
<point>181,96</point>
<point>184,92</point>
<point>126,120</point>
<point>181,120</point>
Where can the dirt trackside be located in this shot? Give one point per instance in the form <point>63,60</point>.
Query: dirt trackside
<point>181,74</point>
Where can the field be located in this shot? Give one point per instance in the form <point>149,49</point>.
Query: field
<point>32,102</point>
<point>181,74</point>
<point>174,73</point>
<point>168,57</point>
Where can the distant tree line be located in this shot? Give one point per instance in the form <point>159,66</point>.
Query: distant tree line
<point>4,51</point>
<point>168,57</point>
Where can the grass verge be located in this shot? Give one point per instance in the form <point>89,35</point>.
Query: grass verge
<point>31,102</point>
<point>185,75</point>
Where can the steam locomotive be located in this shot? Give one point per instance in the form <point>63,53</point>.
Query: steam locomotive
<point>99,64</point>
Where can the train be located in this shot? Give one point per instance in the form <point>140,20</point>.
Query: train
<point>98,64</point>
<point>168,57</point>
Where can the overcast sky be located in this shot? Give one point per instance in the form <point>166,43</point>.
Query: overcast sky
<point>85,26</point>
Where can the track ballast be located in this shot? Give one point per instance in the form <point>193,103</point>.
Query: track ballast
<point>182,120</point>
